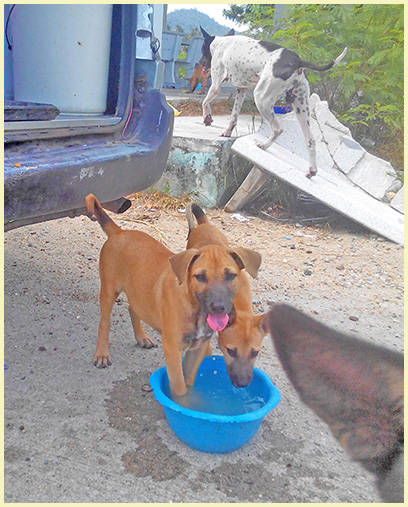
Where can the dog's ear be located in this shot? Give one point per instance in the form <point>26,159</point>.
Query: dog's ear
<point>231,32</point>
<point>261,321</point>
<point>180,263</point>
<point>354,386</point>
<point>248,259</point>
<point>205,34</point>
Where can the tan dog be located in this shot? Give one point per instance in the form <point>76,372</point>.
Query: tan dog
<point>183,296</point>
<point>241,340</point>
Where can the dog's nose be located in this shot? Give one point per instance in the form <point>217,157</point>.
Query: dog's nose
<point>240,373</point>
<point>217,308</point>
<point>240,382</point>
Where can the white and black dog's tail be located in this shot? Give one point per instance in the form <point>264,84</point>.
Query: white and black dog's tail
<point>333,63</point>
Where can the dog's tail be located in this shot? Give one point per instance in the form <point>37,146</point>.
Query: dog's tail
<point>333,63</point>
<point>96,212</point>
<point>194,210</point>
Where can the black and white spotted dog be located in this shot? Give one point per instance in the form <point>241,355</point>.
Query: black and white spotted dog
<point>273,70</point>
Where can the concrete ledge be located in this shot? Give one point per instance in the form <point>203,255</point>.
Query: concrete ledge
<point>201,162</point>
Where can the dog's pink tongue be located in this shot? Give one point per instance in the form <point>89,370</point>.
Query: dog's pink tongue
<point>217,322</point>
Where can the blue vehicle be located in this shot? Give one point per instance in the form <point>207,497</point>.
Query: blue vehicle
<point>83,110</point>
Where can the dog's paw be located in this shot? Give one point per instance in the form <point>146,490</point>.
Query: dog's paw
<point>311,173</point>
<point>208,120</point>
<point>102,361</point>
<point>146,343</point>
<point>262,145</point>
<point>184,400</point>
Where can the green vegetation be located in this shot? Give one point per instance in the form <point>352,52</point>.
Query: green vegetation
<point>367,90</point>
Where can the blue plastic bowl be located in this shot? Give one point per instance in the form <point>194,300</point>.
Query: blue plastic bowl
<point>209,432</point>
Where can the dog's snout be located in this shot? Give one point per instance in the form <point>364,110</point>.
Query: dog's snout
<point>237,382</point>
<point>240,373</point>
<point>240,381</point>
<point>217,299</point>
<point>217,307</point>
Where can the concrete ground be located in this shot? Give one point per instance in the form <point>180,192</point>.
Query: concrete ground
<point>174,95</point>
<point>192,127</point>
<point>75,433</point>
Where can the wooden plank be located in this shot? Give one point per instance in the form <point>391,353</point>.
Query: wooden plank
<point>332,190</point>
<point>251,184</point>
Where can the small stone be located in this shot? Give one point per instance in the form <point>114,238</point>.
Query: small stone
<point>42,348</point>
<point>353,318</point>
<point>340,267</point>
<point>292,247</point>
<point>307,272</point>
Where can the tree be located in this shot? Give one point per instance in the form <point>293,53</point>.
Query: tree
<point>260,17</point>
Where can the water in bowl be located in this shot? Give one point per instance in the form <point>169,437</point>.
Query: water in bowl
<point>222,401</point>
<point>213,393</point>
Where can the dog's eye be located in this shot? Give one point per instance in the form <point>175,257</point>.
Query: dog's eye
<point>232,352</point>
<point>254,353</point>
<point>201,277</point>
<point>230,276</point>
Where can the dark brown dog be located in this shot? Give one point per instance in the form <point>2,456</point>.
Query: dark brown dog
<point>357,388</point>
<point>183,296</point>
<point>241,340</point>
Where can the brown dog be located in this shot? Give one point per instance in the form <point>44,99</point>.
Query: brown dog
<point>185,296</point>
<point>241,340</point>
<point>199,76</point>
<point>356,387</point>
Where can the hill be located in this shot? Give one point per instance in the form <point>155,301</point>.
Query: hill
<point>192,18</point>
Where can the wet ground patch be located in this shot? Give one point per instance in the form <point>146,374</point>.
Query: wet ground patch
<point>132,408</point>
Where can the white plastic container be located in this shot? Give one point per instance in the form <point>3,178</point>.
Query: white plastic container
<point>61,55</point>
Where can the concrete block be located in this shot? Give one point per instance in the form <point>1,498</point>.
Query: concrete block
<point>313,100</point>
<point>325,117</point>
<point>348,154</point>
<point>331,128</point>
<point>398,202</point>
<point>292,139</point>
<point>206,169</point>
<point>342,196</point>
<point>373,174</point>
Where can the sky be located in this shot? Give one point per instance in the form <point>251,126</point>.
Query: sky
<point>212,10</point>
